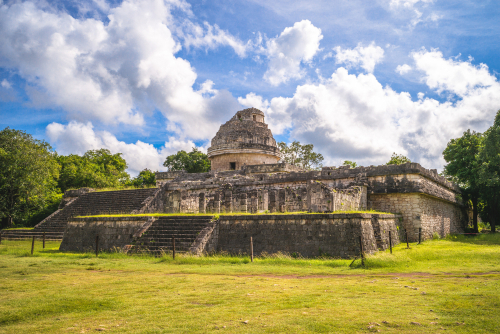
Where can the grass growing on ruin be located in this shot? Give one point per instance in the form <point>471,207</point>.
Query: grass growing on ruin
<point>18,228</point>
<point>118,188</point>
<point>452,284</point>
<point>123,188</point>
<point>234,214</point>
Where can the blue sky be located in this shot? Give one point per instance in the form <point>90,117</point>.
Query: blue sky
<point>145,78</point>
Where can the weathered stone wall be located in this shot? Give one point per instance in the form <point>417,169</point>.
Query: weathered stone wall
<point>162,177</point>
<point>207,240</point>
<point>114,233</point>
<point>287,191</point>
<point>222,162</point>
<point>381,228</point>
<point>244,139</point>
<point>311,196</point>
<point>321,198</point>
<point>433,215</point>
<point>411,183</point>
<point>308,235</point>
<point>271,168</point>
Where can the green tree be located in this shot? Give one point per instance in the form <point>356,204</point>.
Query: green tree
<point>398,159</point>
<point>350,163</point>
<point>95,169</point>
<point>28,174</point>
<point>192,162</point>
<point>489,172</point>
<point>300,155</point>
<point>144,179</point>
<point>463,164</point>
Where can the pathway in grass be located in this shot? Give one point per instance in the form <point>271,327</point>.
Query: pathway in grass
<point>421,290</point>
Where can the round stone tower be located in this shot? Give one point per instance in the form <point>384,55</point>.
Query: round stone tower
<point>243,140</point>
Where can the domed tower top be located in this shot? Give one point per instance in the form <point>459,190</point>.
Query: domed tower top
<point>243,140</point>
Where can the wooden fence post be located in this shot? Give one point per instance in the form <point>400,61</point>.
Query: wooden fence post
<point>407,242</point>
<point>32,245</point>
<point>362,252</point>
<point>390,241</point>
<point>173,248</point>
<point>43,240</point>
<point>419,235</point>
<point>251,249</point>
<point>96,245</point>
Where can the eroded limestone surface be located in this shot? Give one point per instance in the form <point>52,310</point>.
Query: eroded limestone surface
<point>243,140</point>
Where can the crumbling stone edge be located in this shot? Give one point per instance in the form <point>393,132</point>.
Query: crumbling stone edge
<point>206,241</point>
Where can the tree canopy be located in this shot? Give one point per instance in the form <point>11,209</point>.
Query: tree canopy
<point>397,159</point>
<point>474,163</point>
<point>95,169</point>
<point>192,162</point>
<point>463,165</point>
<point>489,172</point>
<point>28,175</point>
<point>350,163</point>
<point>146,178</point>
<point>300,155</point>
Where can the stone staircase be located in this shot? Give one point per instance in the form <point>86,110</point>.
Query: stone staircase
<point>92,203</point>
<point>158,238</point>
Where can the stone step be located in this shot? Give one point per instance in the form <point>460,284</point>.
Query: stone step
<point>187,218</point>
<point>166,236</point>
<point>93,203</point>
<point>174,231</point>
<point>169,238</point>
<point>183,223</point>
<point>182,242</point>
<point>178,228</point>
<point>159,248</point>
<point>159,236</point>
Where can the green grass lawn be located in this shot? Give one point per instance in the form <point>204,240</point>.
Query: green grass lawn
<point>448,286</point>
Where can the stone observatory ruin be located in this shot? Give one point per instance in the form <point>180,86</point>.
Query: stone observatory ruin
<point>252,194</point>
<point>243,140</point>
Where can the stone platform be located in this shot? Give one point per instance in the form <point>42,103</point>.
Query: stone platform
<point>308,235</point>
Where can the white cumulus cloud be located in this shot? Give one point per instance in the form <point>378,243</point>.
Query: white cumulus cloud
<point>252,100</point>
<point>403,69</point>
<point>114,72</point>
<point>461,78</point>
<point>5,84</point>
<point>366,57</point>
<point>287,51</point>
<point>355,117</point>
<point>77,138</point>
<point>211,37</point>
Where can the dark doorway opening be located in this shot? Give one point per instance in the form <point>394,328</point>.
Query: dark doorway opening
<point>254,118</point>
<point>232,165</point>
